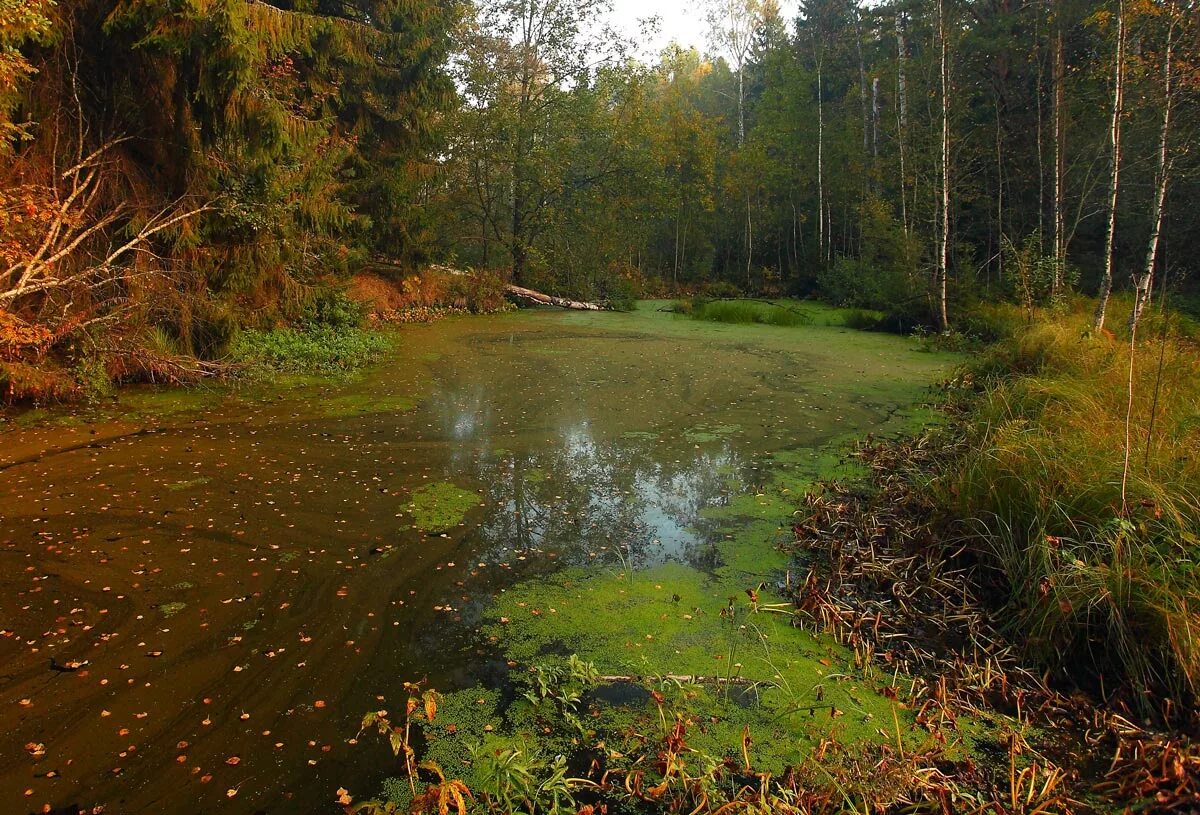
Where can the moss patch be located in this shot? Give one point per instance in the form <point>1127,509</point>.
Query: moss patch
<point>438,506</point>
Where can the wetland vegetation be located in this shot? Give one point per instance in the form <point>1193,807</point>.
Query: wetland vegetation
<point>857,472</point>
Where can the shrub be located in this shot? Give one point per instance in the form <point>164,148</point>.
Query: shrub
<point>319,349</point>
<point>20,382</point>
<point>746,312</point>
<point>481,292</point>
<point>720,288</point>
<point>884,276</point>
<point>863,319</point>
<point>332,308</point>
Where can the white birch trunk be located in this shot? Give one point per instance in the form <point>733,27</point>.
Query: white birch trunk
<point>1145,281</point>
<point>1115,135</point>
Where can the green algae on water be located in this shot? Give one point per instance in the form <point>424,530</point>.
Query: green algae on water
<point>704,433</point>
<point>673,620</point>
<point>171,609</point>
<point>193,482</point>
<point>438,506</point>
<point>362,404</point>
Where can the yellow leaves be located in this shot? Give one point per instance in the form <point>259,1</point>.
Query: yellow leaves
<point>430,698</point>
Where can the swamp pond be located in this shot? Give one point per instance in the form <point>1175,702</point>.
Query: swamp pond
<point>205,590</point>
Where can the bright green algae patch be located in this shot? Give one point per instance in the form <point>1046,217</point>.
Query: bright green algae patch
<point>438,506</point>
<point>673,620</point>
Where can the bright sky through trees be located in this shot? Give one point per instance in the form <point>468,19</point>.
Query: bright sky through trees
<point>681,20</point>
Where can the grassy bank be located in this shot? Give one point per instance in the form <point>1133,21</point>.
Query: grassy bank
<point>1079,485</point>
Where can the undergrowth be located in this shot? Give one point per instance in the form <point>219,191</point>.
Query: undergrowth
<point>740,311</point>
<point>321,349</point>
<point>327,339</point>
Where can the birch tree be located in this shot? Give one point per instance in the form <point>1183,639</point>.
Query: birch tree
<point>943,261</point>
<point>1118,104</point>
<point>731,28</point>
<point>1144,282</point>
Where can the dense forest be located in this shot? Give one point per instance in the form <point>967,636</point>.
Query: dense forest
<point>173,171</point>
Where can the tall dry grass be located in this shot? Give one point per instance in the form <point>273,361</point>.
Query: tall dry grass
<point>1098,557</point>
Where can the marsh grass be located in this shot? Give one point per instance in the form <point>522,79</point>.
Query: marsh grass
<point>745,312</point>
<point>1099,563</point>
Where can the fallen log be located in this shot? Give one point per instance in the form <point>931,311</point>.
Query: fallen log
<point>532,295</point>
<point>523,293</point>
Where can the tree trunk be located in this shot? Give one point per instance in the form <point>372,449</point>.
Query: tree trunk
<point>820,163</point>
<point>749,241</point>
<point>999,188</point>
<point>1059,80</point>
<point>1115,135</point>
<point>1144,281</point>
<point>550,300</point>
<point>902,114</point>
<point>875,119</point>
<point>512,290</point>
<point>943,266</point>
<point>741,107</point>
<point>862,83</point>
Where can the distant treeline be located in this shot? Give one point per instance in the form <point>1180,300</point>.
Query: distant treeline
<point>174,169</point>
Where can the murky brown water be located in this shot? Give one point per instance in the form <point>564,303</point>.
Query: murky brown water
<point>204,600</point>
